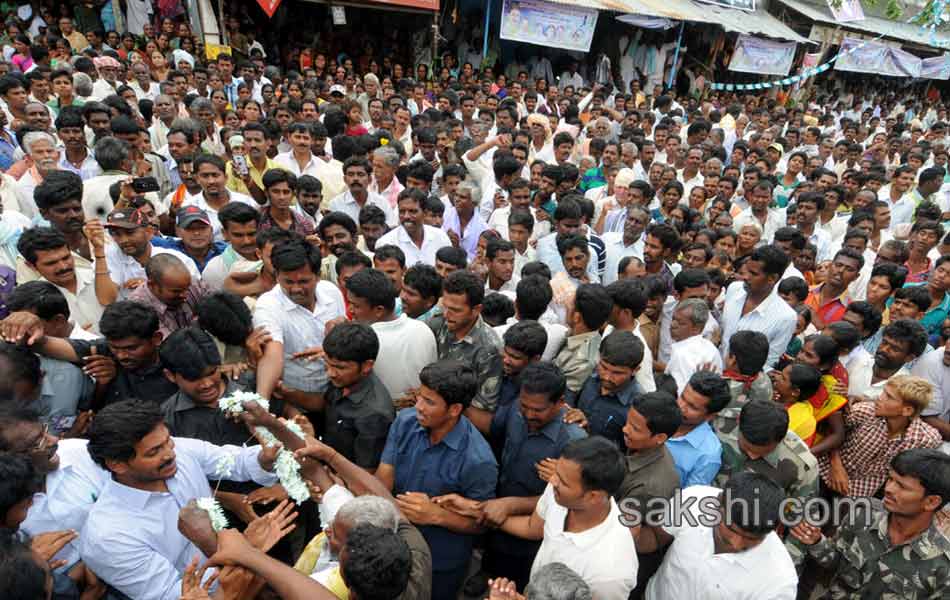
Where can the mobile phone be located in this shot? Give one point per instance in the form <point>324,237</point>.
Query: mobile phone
<point>143,185</point>
<point>240,164</point>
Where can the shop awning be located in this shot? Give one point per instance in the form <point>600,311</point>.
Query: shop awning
<point>757,22</point>
<point>905,32</point>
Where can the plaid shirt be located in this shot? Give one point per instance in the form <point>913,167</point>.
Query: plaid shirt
<point>868,449</point>
<point>172,319</point>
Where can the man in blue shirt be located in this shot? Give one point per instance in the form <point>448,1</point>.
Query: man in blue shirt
<point>612,389</point>
<point>195,237</point>
<point>533,430</point>
<point>695,447</point>
<point>433,450</point>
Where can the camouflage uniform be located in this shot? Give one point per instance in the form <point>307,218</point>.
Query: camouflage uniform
<point>577,359</point>
<point>791,465</point>
<point>868,565</point>
<point>761,389</point>
<point>481,349</point>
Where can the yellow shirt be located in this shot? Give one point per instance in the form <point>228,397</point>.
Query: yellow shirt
<point>236,184</point>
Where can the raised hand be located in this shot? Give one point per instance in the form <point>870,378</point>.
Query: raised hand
<point>264,532</point>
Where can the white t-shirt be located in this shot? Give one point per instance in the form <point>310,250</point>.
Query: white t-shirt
<point>406,346</point>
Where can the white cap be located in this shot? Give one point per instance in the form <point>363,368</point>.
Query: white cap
<point>338,88</point>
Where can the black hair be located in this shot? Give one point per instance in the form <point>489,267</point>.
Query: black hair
<point>846,334</point>
<point>189,352</point>
<point>774,260</point>
<point>538,268</point>
<point>119,427</point>
<point>453,380</point>
<point>532,297</point>
<point>424,279</point>
<point>373,286</point>
<point>791,234</point>
<point>905,330</point>
<point>378,563</point>
<point>274,176</point>
<point>467,283</point>
<point>21,576</point>
<point>628,294</point>
<point>794,285</point>
<point>497,309</point>
<point>390,252</point>
<point>209,159</point>
<point>295,254</point>
<point>751,349</point>
<point>602,465</point>
<point>763,423</point>
<point>690,278</point>
<point>433,205</point>
<point>571,242</point>
<point>594,305</point>
<point>747,489</point>
<point>19,480</point>
<point>852,254</point>
<point>930,467</point>
<point>40,297</point>
<point>917,295</point>
<point>567,208</point>
<point>495,246</point>
<point>825,347</point>
<point>39,239</point>
<point>896,274</point>
<point>352,342</point>
<point>225,316</point>
<point>543,378</point>
<point>806,379</point>
<point>57,187</point>
<point>622,349</point>
<point>452,256</point>
<point>668,237</point>
<point>712,386</point>
<point>126,319</point>
<point>337,218</point>
<point>527,337</point>
<point>238,212</point>
<point>352,258</point>
<point>661,412</point>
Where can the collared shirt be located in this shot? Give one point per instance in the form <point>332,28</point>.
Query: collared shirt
<point>131,537</point>
<point>698,455</point>
<point>123,267</point>
<point>604,556</point>
<point>298,224</point>
<point>294,326</point>
<point>148,383</point>
<point>208,423</point>
<point>65,391</point>
<point>607,413</point>
<point>236,184</point>
<point>831,310</point>
<point>468,239</point>
<point>84,306</point>
<point>549,255</point>
<point>693,569</point>
<point>649,474</point>
<point>346,203</point>
<point>176,244</point>
<point>617,250</point>
<point>868,565</point>
<point>357,419</point>
<point>390,192</point>
<point>557,333</point>
<point>774,220</point>
<point>686,356</point>
<point>868,448</point>
<point>87,170</point>
<point>462,463</point>
<point>432,239</point>
<point>69,493</point>
<point>406,346</point>
<point>481,348</point>
<point>773,317</point>
<point>172,318</point>
<point>200,201</point>
<point>578,358</point>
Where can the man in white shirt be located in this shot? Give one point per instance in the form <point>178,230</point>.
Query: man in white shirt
<point>356,174</point>
<point>759,198</point>
<point>690,350</point>
<point>629,242</point>
<point>131,539</point>
<point>419,242</point>
<point>533,295</point>
<point>739,557</point>
<point>211,173</point>
<point>579,522</point>
<point>295,313</point>
<point>406,345</point>
<point>935,368</point>
<point>142,84</point>
<point>42,150</point>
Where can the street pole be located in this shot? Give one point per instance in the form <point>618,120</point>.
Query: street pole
<point>676,55</point>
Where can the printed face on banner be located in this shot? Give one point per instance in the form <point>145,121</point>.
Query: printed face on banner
<point>548,24</point>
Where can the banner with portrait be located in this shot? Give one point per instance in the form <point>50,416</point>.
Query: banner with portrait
<point>762,56</point>
<point>861,56</point>
<point>548,24</point>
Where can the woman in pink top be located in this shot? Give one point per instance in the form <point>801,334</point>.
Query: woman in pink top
<point>22,59</point>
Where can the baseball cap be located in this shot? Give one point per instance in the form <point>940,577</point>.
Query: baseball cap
<point>338,89</point>
<point>192,214</point>
<point>125,218</point>
<point>777,147</point>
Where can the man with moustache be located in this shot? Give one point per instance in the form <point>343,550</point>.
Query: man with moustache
<point>42,150</point>
<point>131,539</point>
<point>356,174</point>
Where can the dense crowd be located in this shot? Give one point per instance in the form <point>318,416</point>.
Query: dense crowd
<point>342,332</point>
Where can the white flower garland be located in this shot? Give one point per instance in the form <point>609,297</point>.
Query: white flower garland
<point>286,466</point>
<point>215,512</point>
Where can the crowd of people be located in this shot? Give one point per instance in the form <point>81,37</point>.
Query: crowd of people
<point>511,335</point>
